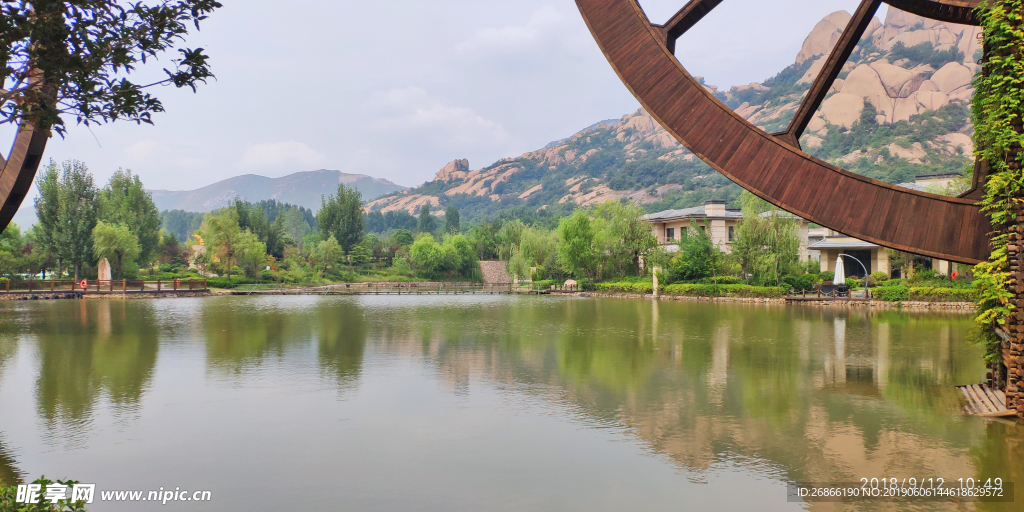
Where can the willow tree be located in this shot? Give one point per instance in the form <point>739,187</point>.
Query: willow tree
<point>117,242</point>
<point>766,244</point>
<point>65,60</point>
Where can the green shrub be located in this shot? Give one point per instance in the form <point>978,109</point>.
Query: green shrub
<point>641,287</point>
<point>827,275</point>
<point>799,283</point>
<point>721,280</point>
<point>902,292</point>
<point>222,282</point>
<point>936,294</point>
<point>879,277</point>
<point>728,290</point>
<point>898,293</point>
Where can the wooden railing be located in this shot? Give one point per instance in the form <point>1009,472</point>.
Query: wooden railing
<point>376,288</point>
<point>114,285</point>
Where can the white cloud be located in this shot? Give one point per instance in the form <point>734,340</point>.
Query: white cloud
<point>277,154</point>
<point>412,109</point>
<point>545,23</point>
<point>144,149</point>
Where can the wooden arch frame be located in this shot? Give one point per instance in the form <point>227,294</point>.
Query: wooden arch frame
<point>18,170</point>
<point>773,166</point>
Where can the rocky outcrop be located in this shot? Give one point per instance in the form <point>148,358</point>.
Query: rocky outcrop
<point>456,169</point>
<point>824,36</point>
<point>407,201</point>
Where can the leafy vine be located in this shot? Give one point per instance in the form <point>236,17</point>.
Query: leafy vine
<point>998,110</point>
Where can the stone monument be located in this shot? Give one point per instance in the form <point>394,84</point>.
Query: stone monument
<point>104,270</point>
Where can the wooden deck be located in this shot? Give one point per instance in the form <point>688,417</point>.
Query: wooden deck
<point>985,401</point>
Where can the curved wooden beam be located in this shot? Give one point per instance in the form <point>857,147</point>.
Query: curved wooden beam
<point>949,11</point>
<point>19,170</point>
<point>943,227</point>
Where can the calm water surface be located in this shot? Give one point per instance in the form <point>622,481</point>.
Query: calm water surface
<point>488,403</point>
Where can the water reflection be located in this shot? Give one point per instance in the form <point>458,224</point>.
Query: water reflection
<point>88,349</point>
<point>796,393</point>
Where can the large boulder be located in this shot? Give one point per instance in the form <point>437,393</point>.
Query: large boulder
<point>824,36</point>
<point>842,109</point>
<point>953,77</point>
<point>930,100</point>
<point>895,79</point>
<point>864,82</point>
<point>456,169</point>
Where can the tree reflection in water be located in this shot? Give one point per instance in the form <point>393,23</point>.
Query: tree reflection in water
<point>803,393</point>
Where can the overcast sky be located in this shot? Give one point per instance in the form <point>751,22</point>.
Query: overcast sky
<point>397,88</point>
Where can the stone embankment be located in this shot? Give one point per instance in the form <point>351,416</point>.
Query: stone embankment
<point>964,307</point>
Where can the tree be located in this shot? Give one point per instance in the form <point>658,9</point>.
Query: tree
<point>484,242</point>
<point>698,257</point>
<point>509,238</point>
<point>117,242</point>
<point>341,216</point>
<point>403,237</point>
<point>252,217</point>
<point>222,234</point>
<point>74,58</point>
<point>249,251</point>
<point>327,255</point>
<point>625,237</point>
<point>576,247</point>
<point>11,249</point>
<point>460,255</point>
<point>426,223</point>
<point>64,58</point>
<point>125,201</point>
<point>170,250</point>
<point>295,225</point>
<point>360,255</point>
<point>766,244</point>
<point>451,220</point>
<point>427,256</point>
<point>47,206</point>
<point>67,212</point>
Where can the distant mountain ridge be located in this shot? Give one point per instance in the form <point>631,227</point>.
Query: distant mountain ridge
<point>301,189</point>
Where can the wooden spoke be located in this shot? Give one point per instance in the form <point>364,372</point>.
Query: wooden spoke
<point>685,19</point>
<point>828,74</point>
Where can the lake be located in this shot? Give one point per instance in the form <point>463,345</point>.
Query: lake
<point>504,403</point>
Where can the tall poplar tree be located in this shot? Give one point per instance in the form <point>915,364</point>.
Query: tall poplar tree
<point>124,201</point>
<point>341,216</point>
<point>67,212</point>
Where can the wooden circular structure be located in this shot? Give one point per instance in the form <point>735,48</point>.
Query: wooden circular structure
<point>773,166</point>
<point>19,170</point>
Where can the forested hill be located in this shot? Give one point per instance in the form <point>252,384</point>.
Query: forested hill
<point>900,108</point>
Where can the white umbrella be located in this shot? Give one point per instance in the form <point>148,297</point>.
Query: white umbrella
<point>840,277</point>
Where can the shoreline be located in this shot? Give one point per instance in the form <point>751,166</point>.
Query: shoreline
<point>956,307</point>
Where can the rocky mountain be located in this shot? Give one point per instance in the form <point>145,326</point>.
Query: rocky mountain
<point>900,108</point>
<point>300,189</point>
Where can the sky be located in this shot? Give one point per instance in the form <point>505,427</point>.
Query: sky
<point>397,88</point>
